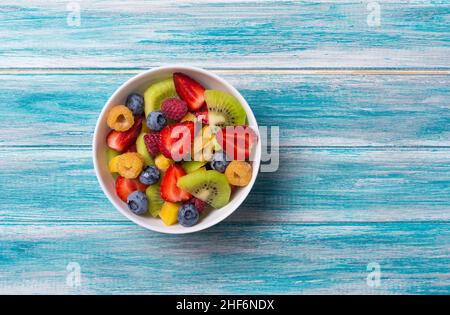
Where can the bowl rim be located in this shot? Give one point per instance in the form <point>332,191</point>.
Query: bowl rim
<point>145,75</point>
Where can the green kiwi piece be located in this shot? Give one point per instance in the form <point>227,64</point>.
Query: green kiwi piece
<point>141,148</point>
<point>192,166</point>
<point>224,109</point>
<point>211,186</point>
<point>155,201</point>
<point>157,93</point>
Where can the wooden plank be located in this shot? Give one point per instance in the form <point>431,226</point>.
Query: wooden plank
<point>311,185</point>
<point>230,258</point>
<point>338,110</point>
<point>242,34</point>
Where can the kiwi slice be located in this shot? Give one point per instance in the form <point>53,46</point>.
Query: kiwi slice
<point>157,93</point>
<point>210,186</point>
<point>155,201</point>
<point>141,148</point>
<point>224,109</point>
<point>192,166</point>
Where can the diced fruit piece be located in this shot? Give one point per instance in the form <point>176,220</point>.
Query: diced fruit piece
<point>142,150</point>
<point>237,142</point>
<point>189,90</point>
<point>121,140</point>
<point>219,162</point>
<point>202,115</point>
<point>156,121</point>
<point>239,173</point>
<point>155,201</point>
<point>113,164</point>
<point>135,102</point>
<point>211,186</point>
<point>176,140</point>
<point>204,145</point>
<point>174,108</point>
<point>137,202</point>
<point>111,154</point>
<point>152,141</point>
<point>120,118</point>
<point>124,187</point>
<point>192,166</point>
<point>169,213</point>
<point>157,93</point>
<point>224,109</point>
<point>169,189</point>
<point>144,128</point>
<point>199,204</point>
<point>189,117</point>
<point>188,215</point>
<point>149,176</point>
<point>130,164</point>
<point>163,163</point>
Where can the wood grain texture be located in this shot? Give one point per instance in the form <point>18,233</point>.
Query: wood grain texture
<point>311,185</point>
<point>237,258</point>
<point>224,34</point>
<point>379,110</point>
<point>364,171</point>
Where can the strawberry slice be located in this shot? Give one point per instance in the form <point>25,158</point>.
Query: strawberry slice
<point>237,141</point>
<point>189,90</point>
<point>176,140</point>
<point>121,140</point>
<point>202,115</point>
<point>169,190</point>
<point>125,187</point>
<point>132,148</point>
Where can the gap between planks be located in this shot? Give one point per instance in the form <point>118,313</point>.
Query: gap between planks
<point>237,71</point>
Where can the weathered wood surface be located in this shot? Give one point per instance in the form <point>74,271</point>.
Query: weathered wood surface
<point>228,258</point>
<point>364,161</point>
<point>224,34</point>
<point>311,110</point>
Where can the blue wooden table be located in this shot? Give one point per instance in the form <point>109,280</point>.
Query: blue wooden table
<point>360,90</point>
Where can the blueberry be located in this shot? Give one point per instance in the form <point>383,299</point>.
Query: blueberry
<point>219,162</point>
<point>138,202</point>
<point>135,102</point>
<point>156,121</point>
<point>149,175</point>
<point>188,215</point>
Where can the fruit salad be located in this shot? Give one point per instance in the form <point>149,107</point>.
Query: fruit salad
<point>179,150</point>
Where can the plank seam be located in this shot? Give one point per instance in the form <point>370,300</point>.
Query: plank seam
<point>256,222</point>
<point>234,71</point>
<point>88,147</point>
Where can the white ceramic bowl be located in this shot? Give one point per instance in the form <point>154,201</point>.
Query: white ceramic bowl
<point>139,84</point>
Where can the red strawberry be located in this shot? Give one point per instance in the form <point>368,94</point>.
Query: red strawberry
<point>132,148</point>
<point>169,189</point>
<point>174,108</point>
<point>237,141</point>
<point>202,115</point>
<point>120,140</point>
<point>152,141</point>
<point>176,140</point>
<point>189,91</point>
<point>125,186</point>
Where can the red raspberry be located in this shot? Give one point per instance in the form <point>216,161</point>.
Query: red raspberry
<point>174,108</point>
<point>152,140</point>
<point>199,204</point>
